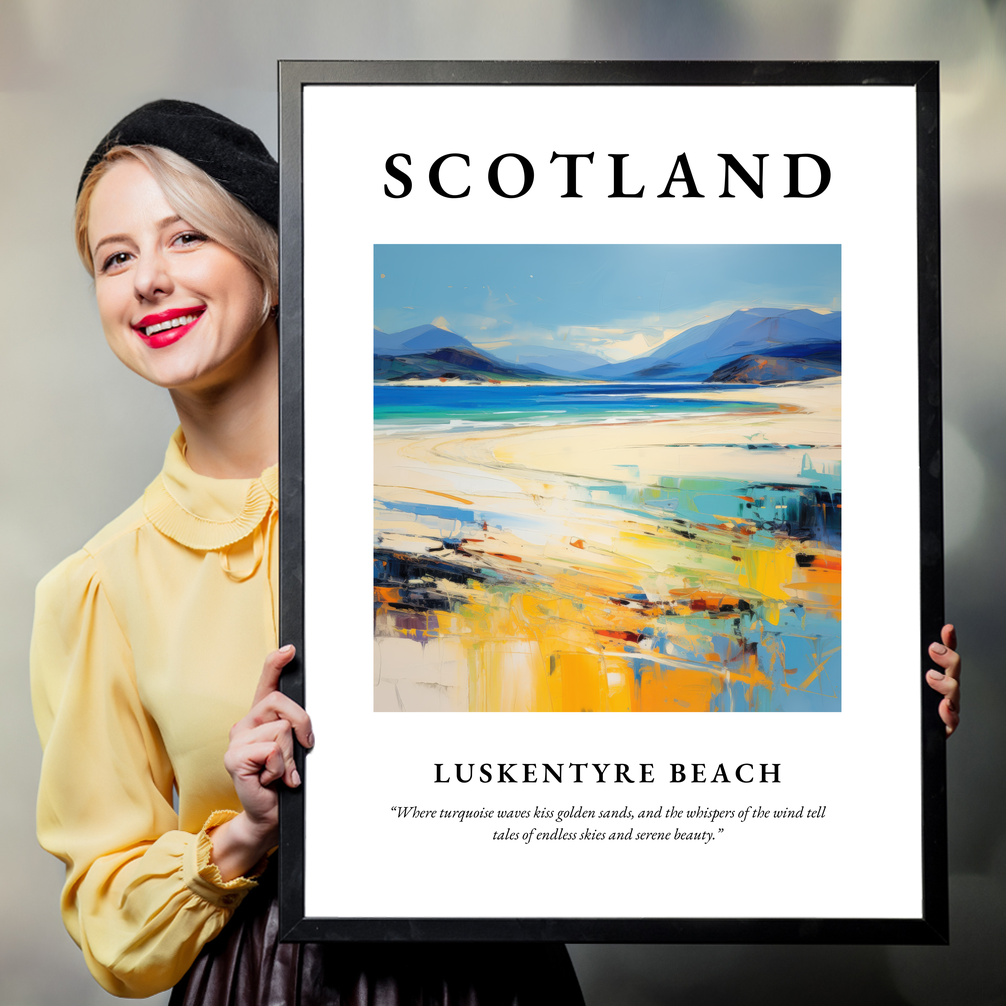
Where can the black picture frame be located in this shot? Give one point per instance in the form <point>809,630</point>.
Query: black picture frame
<point>932,925</point>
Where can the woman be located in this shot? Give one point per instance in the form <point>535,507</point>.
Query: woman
<point>148,643</point>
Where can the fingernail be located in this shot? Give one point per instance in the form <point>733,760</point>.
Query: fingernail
<point>310,740</point>
<point>938,648</point>
<point>937,675</point>
<point>295,777</point>
<point>287,649</point>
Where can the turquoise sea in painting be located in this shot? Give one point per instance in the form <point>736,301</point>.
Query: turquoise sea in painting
<point>449,407</point>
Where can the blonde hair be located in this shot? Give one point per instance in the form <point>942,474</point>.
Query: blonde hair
<point>199,200</point>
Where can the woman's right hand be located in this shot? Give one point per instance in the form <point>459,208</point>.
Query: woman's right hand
<point>260,753</point>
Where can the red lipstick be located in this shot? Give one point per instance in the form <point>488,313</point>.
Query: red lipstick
<point>165,333</point>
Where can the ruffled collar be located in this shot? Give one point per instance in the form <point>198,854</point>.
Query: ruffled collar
<point>203,513</point>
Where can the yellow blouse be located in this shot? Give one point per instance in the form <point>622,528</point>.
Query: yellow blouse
<point>147,647</point>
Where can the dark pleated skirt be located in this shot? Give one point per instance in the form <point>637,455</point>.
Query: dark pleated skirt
<point>246,965</point>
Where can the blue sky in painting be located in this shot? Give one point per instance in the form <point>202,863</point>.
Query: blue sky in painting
<point>615,302</point>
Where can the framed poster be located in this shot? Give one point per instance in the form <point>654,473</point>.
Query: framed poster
<point>652,433</point>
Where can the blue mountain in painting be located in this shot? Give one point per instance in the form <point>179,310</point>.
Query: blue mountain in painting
<point>757,369</point>
<point>426,352</point>
<point>451,363</point>
<point>421,339</point>
<point>698,352</point>
<point>822,351</point>
<point>806,362</point>
<point>548,359</point>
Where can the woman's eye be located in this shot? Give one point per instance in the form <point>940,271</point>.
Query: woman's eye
<point>190,238</point>
<point>114,261</point>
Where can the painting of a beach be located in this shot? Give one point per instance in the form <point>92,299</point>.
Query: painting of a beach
<point>607,478</point>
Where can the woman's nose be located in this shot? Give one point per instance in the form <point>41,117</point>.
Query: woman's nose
<point>152,277</point>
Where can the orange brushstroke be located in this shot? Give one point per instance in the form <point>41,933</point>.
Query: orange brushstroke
<point>702,600</point>
<point>460,499</point>
<point>629,637</point>
<point>826,562</point>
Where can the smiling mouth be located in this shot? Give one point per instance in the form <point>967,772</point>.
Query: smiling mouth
<point>167,327</point>
<point>185,319</point>
<point>167,321</point>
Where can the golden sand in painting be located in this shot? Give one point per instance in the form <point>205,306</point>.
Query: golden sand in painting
<point>629,567</point>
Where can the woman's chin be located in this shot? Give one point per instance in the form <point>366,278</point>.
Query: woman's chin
<point>173,374</point>
<point>196,365</point>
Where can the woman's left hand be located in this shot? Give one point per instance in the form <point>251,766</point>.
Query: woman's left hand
<point>948,681</point>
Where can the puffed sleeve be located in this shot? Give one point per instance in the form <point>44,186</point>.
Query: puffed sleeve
<point>141,898</point>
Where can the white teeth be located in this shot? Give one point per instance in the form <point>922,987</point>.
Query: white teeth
<point>173,323</point>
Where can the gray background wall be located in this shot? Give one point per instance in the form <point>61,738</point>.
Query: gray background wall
<point>81,436</point>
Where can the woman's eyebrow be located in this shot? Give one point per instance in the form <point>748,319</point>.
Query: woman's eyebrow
<point>109,240</point>
<point>160,225</point>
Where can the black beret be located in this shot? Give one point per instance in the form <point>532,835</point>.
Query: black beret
<point>230,154</point>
